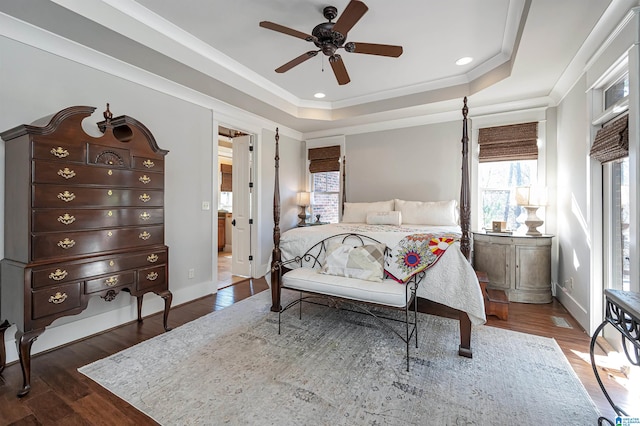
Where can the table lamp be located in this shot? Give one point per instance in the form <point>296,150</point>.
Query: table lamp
<point>303,200</point>
<point>531,198</point>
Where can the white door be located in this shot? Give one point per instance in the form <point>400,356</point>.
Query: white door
<point>241,229</point>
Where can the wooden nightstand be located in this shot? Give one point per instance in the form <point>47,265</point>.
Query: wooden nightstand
<point>518,264</point>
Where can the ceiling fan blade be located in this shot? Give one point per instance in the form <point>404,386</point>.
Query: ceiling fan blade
<point>339,69</point>
<point>297,61</point>
<point>286,30</point>
<point>351,14</point>
<point>374,49</point>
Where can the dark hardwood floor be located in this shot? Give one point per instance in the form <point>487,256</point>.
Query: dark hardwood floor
<point>62,396</point>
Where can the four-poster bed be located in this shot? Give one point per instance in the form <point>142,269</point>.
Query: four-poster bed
<point>450,282</point>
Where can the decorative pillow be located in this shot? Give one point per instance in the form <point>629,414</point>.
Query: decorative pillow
<point>365,262</point>
<point>384,218</point>
<point>357,212</point>
<point>428,212</point>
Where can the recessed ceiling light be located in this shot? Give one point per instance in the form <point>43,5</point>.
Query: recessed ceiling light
<point>464,61</point>
<point>319,95</point>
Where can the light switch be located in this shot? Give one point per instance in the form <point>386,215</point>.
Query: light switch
<point>206,205</point>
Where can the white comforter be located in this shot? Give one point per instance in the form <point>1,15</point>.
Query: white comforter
<point>451,281</point>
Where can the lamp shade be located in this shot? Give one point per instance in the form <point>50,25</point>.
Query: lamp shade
<point>531,196</point>
<point>303,198</point>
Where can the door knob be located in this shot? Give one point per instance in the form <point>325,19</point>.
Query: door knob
<point>233,222</point>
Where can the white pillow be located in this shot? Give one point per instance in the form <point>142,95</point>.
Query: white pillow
<point>363,262</point>
<point>384,218</point>
<point>438,213</point>
<point>357,212</point>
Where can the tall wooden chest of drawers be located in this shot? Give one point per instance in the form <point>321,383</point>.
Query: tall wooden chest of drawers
<point>84,217</point>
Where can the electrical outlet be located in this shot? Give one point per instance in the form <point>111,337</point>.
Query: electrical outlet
<point>192,273</point>
<point>206,205</point>
<point>571,283</point>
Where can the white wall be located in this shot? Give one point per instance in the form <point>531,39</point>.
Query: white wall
<point>574,242</point>
<point>397,163</point>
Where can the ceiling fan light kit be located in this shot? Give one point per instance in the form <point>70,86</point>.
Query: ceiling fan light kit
<point>329,37</point>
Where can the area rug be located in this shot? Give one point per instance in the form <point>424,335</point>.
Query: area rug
<point>341,368</point>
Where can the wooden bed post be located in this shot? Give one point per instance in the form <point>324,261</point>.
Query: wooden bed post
<point>465,226</point>
<point>465,204</point>
<point>276,256</point>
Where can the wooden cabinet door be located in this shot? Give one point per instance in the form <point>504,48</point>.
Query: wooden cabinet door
<point>494,259</point>
<point>533,274</point>
<point>533,267</point>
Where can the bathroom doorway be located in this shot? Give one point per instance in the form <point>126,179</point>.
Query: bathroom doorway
<point>235,177</point>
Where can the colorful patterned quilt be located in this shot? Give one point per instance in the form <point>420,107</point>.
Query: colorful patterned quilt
<point>415,253</point>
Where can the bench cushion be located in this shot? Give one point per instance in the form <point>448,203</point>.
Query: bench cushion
<point>387,292</point>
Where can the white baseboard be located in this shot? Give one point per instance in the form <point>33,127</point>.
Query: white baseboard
<point>63,334</point>
<point>577,311</point>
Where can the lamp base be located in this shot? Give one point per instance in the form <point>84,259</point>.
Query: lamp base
<point>533,221</point>
<point>302,216</point>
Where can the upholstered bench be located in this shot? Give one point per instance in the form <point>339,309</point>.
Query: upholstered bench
<point>387,293</point>
<point>309,275</point>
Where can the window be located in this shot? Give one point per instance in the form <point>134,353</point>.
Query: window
<point>611,148</point>
<point>326,195</point>
<point>225,201</point>
<point>620,225</point>
<point>324,167</point>
<point>497,181</point>
<point>508,159</point>
<point>616,92</point>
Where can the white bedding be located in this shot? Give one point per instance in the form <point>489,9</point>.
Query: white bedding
<point>451,281</point>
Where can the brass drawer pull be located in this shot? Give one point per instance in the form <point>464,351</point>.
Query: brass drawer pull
<point>144,235</point>
<point>66,243</point>
<point>66,173</point>
<point>152,276</point>
<point>144,179</point>
<point>110,282</point>
<point>145,197</point>
<point>66,196</point>
<point>67,219</point>
<point>59,152</point>
<point>58,298</point>
<point>148,164</point>
<point>153,258</point>
<point>145,216</point>
<point>58,275</point>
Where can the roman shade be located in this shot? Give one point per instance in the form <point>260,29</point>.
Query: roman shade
<point>509,143</point>
<point>325,159</point>
<point>612,141</point>
<point>225,181</point>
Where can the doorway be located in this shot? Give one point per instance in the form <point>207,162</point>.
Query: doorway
<point>235,178</point>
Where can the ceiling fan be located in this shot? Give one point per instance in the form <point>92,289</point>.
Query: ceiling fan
<point>331,36</point>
